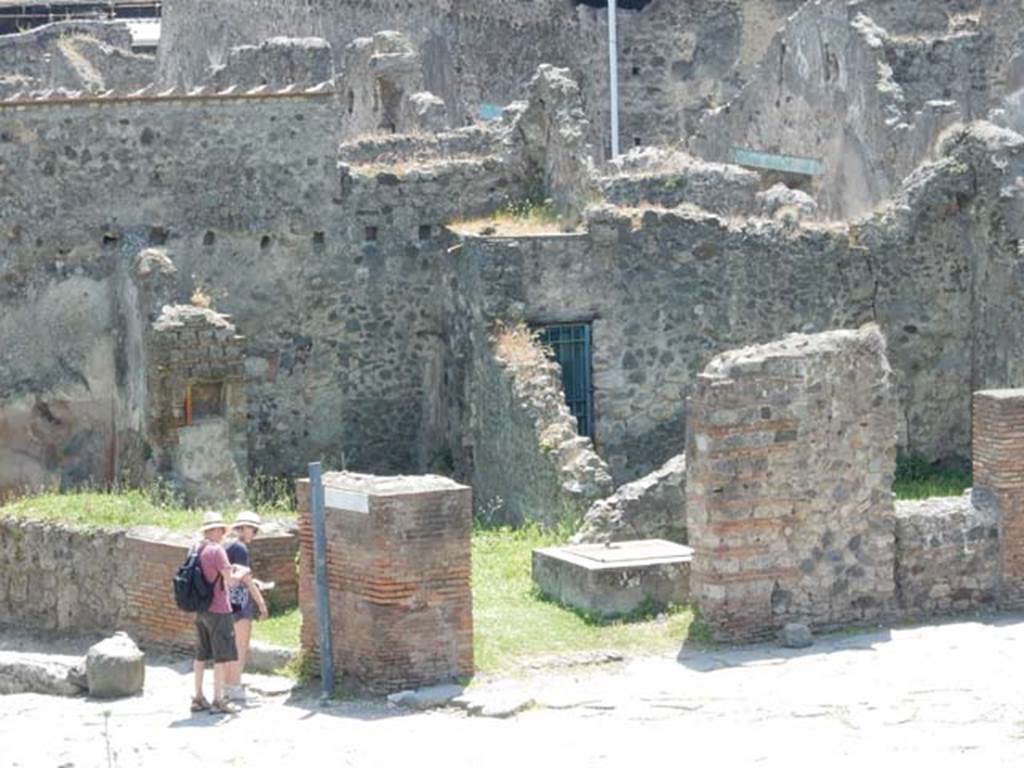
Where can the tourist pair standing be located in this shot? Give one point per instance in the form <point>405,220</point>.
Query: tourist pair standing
<point>224,630</point>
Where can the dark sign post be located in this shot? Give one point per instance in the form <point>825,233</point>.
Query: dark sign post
<point>323,603</point>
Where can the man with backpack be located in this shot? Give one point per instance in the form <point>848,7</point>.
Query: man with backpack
<point>215,633</point>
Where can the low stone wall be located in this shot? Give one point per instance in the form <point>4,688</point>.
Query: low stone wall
<point>57,577</point>
<point>529,463</point>
<point>947,555</point>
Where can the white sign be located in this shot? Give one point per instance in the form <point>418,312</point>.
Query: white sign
<point>350,501</point>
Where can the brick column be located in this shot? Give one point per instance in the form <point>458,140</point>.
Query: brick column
<point>398,551</point>
<point>998,451</point>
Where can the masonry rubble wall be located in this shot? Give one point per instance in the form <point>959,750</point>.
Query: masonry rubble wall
<point>653,507</point>
<point>346,357</point>
<point>675,57</point>
<point>947,555</point>
<point>529,464</point>
<point>790,460</point>
<point>59,577</point>
<point>836,86</point>
<point>275,62</point>
<point>79,55</point>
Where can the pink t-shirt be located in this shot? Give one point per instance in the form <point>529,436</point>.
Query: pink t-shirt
<point>213,560</point>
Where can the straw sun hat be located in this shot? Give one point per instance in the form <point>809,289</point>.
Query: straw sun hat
<point>213,520</point>
<point>249,518</point>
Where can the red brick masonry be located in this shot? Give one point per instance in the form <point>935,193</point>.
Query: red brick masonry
<point>399,578</point>
<point>998,451</point>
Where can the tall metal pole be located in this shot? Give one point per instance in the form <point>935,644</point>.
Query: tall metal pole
<point>323,603</point>
<point>613,73</point>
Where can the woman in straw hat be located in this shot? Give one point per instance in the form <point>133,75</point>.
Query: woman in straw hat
<point>246,598</point>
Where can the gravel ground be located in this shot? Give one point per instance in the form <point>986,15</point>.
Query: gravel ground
<point>944,694</point>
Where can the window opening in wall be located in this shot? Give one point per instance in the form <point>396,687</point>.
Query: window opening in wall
<point>570,347</point>
<point>203,400</point>
<point>371,234</point>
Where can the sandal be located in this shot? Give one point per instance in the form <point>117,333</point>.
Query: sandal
<point>200,704</point>
<point>223,707</point>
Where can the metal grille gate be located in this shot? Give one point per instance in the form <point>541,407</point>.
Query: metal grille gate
<point>570,346</point>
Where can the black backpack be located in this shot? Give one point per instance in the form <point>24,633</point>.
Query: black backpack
<point>192,592</point>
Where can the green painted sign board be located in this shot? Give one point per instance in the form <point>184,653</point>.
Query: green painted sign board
<point>768,161</point>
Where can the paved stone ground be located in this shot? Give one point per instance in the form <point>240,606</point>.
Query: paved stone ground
<point>948,694</point>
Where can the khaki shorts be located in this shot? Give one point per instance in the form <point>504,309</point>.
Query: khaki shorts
<point>215,638</point>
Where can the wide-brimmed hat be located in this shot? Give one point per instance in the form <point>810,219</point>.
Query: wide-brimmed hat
<point>213,520</point>
<point>248,517</point>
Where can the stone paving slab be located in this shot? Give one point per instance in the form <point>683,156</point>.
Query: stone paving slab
<point>943,695</point>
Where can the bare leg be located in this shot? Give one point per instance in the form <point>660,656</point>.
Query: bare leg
<point>220,673</point>
<point>198,668</point>
<point>243,635</point>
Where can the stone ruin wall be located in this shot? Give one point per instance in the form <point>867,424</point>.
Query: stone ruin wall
<point>676,58</point>
<point>59,577</point>
<point>789,504</point>
<point>80,55</point>
<point>331,272</point>
<point>528,462</point>
<point>836,84</point>
<point>790,460</point>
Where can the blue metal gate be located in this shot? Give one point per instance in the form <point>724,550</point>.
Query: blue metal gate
<point>570,346</point>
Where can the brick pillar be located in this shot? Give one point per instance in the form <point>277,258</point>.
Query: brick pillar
<point>791,451</point>
<point>998,451</point>
<point>399,573</point>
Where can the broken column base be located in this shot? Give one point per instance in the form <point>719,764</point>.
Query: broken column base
<point>615,579</point>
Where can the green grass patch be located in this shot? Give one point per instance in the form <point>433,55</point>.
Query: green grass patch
<point>513,623</point>
<point>123,509</point>
<point>281,629</point>
<point>917,478</point>
<point>155,505</point>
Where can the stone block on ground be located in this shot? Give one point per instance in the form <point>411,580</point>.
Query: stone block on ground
<point>115,667</point>
<point>264,657</point>
<point>38,673</point>
<point>426,698</point>
<point>796,636</point>
<point>610,580</point>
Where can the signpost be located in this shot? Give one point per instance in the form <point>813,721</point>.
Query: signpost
<point>323,603</point>
<point>613,73</point>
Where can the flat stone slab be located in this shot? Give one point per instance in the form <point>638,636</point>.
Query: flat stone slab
<point>614,579</point>
<point>48,674</point>
<point>426,698</point>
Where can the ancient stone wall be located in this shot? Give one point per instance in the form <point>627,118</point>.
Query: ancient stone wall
<point>663,293</point>
<point>331,273</point>
<point>675,58</point>
<point>837,87</point>
<point>791,450</point>
<point>653,507</point>
<point>947,555</point>
<point>528,462</point>
<point>78,55</point>
<point>59,577</point>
